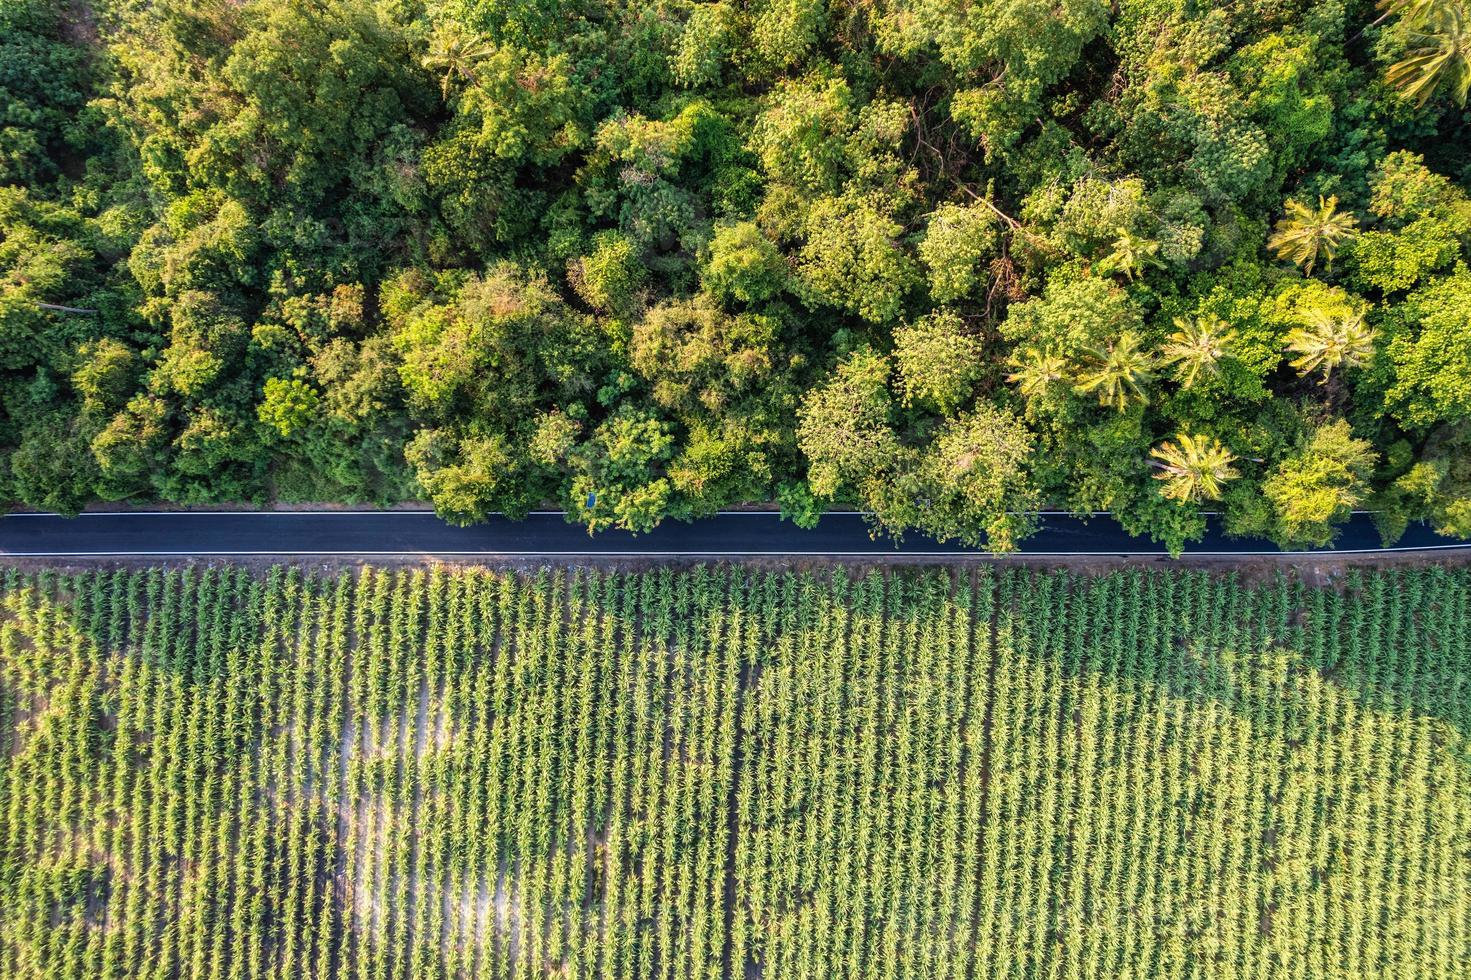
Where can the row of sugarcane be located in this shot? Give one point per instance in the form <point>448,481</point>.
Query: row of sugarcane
<point>1196,793</point>
<point>722,772</point>
<point>863,778</point>
<point>540,782</point>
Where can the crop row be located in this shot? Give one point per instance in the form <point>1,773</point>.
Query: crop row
<point>695,775</point>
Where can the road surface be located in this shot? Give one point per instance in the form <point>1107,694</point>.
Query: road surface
<point>420,533</point>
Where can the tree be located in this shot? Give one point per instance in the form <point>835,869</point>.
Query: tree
<point>51,468</point>
<point>852,258</point>
<point>1428,347</point>
<point>43,87</point>
<point>486,347</point>
<point>1437,56</point>
<point>1010,51</point>
<point>53,287</point>
<point>699,359</point>
<point>456,53</point>
<point>1073,314</point>
<point>1117,373</point>
<point>644,173</point>
<point>801,134</point>
<point>744,265</point>
<point>939,361</point>
<point>443,355</point>
<point>288,406</point>
<point>1034,372</point>
<point>107,373</point>
<point>609,279</point>
<point>958,242</point>
<point>1436,487</point>
<point>709,39</point>
<point>513,121</point>
<point>619,476</point>
<point>467,477</point>
<point>217,454</point>
<point>1319,484</point>
<point>974,482</point>
<point>359,382</point>
<point>843,424</point>
<point>207,337</point>
<point>733,456</point>
<point>1405,191</point>
<point>782,33</point>
<point>1306,234</point>
<point>1326,343</point>
<point>1131,255</point>
<point>131,449</point>
<point>1193,468</point>
<point>1423,219</point>
<point>1196,348</point>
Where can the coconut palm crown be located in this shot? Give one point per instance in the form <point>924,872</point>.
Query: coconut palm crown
<point>1437,56</point>
<point>1307,234</point>
<point>1197,347</point>
<point>1193,468</point>
<point>1117,374</point>
<point>1328,343</point>
<point>1034,371</point>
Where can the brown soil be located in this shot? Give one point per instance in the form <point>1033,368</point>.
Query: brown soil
<point>1318,570</point>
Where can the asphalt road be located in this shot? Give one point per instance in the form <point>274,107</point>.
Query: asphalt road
<point>411,533</point>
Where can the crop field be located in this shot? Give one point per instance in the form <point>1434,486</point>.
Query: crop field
<point>733,773</point>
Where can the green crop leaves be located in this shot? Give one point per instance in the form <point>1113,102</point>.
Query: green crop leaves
<point>725,772</point>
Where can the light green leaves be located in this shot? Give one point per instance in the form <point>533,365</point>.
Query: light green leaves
<point>1196,348</point>
<point>1193,468</point>
<point>1327,342</point>
<point>1308,234</point>
<point>1118,373</point>
<point>1437,55</point>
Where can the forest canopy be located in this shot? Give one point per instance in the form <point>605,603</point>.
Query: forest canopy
<point>944,262</point>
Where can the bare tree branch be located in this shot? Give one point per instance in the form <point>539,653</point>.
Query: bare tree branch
<point>64,309</point>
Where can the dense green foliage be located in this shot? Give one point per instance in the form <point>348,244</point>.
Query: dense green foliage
<point>944,262</point>
<point>725,773</point>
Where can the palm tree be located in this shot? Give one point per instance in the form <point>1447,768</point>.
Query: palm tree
<point>1325,343</point>
<point>1131,255</point>
<point>1305,234</point>
<point>457,52</point>
<point>1035,371</point>
<point>1195,469</point>
<point>1196,348</point>
<point>1438,55</point>
<point>1408,11</point>
<point>1119,373</point>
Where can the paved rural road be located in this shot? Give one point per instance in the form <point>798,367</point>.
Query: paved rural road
<point>410,533</point>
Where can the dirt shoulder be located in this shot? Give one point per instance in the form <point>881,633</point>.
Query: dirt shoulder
<point>1315,569</point>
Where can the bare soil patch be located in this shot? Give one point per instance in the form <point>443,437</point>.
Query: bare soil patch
<point>1318,570</point>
